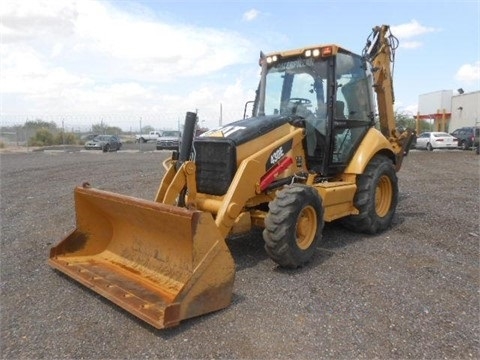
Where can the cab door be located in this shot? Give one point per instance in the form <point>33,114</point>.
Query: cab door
<point>351,109</point>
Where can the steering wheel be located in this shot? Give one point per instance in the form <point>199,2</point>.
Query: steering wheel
<point>299,106</point>
<point>300,101</point>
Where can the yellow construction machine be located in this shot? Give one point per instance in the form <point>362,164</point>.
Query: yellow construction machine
<point>310,153</point>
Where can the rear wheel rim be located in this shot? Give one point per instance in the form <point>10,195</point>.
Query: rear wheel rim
<point>306,227</point>
<point>383,196</point>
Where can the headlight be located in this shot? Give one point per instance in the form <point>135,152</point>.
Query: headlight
<point>312,52</point>
<point>271,59</point>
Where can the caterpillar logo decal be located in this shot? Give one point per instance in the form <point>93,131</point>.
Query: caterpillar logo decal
<point>225,131</point>
<point>278,154</point>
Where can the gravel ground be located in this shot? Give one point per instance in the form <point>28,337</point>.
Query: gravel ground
<point>411,292</point>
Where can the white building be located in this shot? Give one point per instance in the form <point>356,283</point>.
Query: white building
<point>465,110</point>
<point>448,112</point>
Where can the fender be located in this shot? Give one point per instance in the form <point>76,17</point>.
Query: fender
<point>373,143</point>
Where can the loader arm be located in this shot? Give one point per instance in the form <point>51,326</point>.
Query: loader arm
<point>246,184</point>
<point>250,180</point>
<point>380,52</point>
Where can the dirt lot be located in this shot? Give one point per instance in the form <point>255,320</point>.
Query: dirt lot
<point>411,292</point>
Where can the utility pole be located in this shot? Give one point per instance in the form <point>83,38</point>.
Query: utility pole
<point>220,120</point>
<point>63,134</point>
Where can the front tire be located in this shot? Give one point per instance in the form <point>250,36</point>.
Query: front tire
<point>376,198</point>
<point>429,147</point>
<point>293,226</point>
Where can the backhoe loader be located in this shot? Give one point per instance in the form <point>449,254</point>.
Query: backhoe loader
<point>309,153</point>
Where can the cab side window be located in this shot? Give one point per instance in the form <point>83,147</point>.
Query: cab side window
<point>353,106</point>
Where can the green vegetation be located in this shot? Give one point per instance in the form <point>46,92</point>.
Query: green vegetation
<point>43,137</point>
<point>42,133</point>
<point>405,121</point>
<point>105,129</point>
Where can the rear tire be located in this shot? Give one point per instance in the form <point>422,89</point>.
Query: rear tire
<point>293,226</point>
<point>376,198</point>
<point>106,148</point>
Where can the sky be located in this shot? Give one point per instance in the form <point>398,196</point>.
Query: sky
<point>136,63</point>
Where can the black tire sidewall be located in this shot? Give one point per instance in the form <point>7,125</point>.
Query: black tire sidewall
<point>368,221</point>
<point>281,222</point>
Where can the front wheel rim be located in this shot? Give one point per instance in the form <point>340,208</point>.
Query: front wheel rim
<point>306,227</point>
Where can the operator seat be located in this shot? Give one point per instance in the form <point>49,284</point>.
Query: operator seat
<point>340,110</point>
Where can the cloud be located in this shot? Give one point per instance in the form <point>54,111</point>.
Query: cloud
<point>409,32</point>
<point>25,71</point>
<point>33,20</point>
<point>92,56</point>
<point>411,29</point>
<point>97,32</point>
<point>250,15</point>
<point>469,73</point>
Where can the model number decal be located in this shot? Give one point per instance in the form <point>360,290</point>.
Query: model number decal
<point>278,154</point>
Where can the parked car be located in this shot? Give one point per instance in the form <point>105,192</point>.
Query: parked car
<point>170,139</point>
<point>436,140</point>
<point>476,142</point>
<point>117,138</point>
<point>105,143</point>
<point>466,136</point>
<point>88,137</point>
<point>151,136</point>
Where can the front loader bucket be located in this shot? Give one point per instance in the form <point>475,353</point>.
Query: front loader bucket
<point>159,262</point>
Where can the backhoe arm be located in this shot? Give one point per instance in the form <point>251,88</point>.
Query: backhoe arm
<point>380,52</point>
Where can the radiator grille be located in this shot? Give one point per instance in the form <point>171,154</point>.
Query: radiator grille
<point>215,161</point>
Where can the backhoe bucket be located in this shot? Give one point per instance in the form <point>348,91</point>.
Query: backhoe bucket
<point>161,263</point>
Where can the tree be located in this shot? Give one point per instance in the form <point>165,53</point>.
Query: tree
<point>43,137</point>
<point>105,129</point>
<point>40,124</point>
<point>113,130</point>
<point>147,129</point>
<point>65,138</point>
<point>404,120</point>
<point>99,128</point>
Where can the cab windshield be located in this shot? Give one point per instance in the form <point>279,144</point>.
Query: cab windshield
<point>297,87</point>
<point>310,86</point>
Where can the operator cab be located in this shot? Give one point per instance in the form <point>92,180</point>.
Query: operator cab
<point>327,87</point>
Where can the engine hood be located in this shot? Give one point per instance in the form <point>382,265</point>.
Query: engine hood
<point>242,131</point>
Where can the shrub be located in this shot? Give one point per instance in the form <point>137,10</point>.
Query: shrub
<point>65,139</point>
<point>42,137</point>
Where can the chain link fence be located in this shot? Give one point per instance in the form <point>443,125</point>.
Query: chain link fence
<point>21,129</point>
